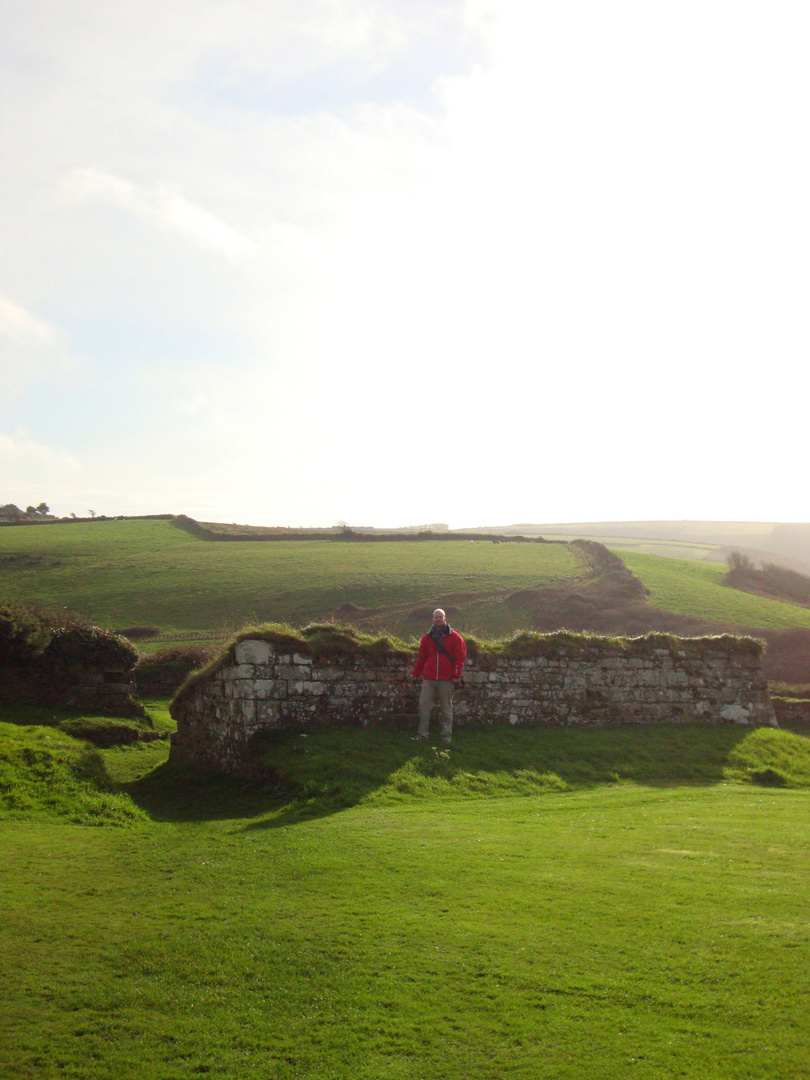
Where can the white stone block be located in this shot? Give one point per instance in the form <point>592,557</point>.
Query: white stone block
<point>736,713</point>
<point>253,651</point>
<point>309,687</point>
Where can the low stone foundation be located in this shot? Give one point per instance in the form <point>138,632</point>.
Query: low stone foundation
<point>656,679</point>
<point>105,693</point>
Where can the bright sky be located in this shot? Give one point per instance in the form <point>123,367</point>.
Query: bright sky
<point>404,261</point>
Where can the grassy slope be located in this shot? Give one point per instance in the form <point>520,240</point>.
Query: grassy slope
<point>694,588</point>
<point>124,573</point>
<point>466,916</point>
<point>129,572</point>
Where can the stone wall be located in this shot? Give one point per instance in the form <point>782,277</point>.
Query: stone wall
<point>262,687</point>
<point>93,689</point>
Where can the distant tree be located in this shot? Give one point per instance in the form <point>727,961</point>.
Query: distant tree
<point>72,515</point>
<point>43,508</point>
<point>738,563</point>
<point>92,513</point>
<point>31,511</point>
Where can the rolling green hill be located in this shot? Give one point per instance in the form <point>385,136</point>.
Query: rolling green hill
<point>123,573</point>
<point>538,904</point>
<point>696,589</point>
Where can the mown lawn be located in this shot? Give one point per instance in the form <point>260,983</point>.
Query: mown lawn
<point>549,904</point>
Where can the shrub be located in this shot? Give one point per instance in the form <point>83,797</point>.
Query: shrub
<point>30,636</point>
<point>163,671</point>
<point>82,643</point>
<point>24,633</point>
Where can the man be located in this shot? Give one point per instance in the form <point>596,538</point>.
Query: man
<point>440,661</point>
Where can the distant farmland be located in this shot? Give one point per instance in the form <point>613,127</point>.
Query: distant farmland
<point>124,573</point>
<point>128,572</point>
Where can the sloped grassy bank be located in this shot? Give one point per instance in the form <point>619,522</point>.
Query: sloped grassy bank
<point>46,773</point>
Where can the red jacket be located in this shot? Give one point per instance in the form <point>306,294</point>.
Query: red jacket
<point>433,664</point>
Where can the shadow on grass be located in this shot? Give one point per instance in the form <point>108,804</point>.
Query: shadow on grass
<point>319,772</point>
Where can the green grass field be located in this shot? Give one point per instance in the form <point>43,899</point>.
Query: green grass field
<point>128,573</point>
<point>528,904</point>
<point>552,903</point>
<point>124,573</point>
<point>696,589</point>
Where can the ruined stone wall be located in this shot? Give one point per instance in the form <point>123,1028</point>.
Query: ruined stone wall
<point>107,693</point>
<point>220,719</point>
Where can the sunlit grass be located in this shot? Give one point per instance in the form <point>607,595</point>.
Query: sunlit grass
<point>696,589</point>
<point>548,903</point>
<point>130,572</point>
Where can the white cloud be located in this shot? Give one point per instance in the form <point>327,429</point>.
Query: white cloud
<point>593,240</point>
<point>31,350</point>
<point>163,205</point>
<point>24,329</point>
<point>33,470</point>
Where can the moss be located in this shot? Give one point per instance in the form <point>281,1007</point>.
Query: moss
<point>102,732</point>
<point>527,644</point>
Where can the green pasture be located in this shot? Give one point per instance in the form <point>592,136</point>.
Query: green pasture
<point>130,573</point>
<point>548,904</point>
<point>696,588</point>
<point>124,573</point>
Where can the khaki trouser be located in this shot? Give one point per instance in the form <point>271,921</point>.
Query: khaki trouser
<point>444,688</point>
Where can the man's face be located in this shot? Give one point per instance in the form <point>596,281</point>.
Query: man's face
<point>439,618</point>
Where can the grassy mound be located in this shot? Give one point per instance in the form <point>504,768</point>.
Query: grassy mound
<point>47,774</point>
